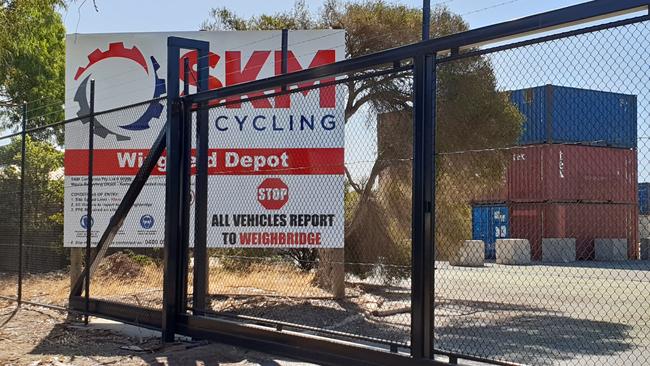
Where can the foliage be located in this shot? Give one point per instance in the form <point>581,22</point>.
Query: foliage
<point>43,203</point>
<point>224,19</point>
<point>141,259</point>
<point>471,114</point>
<point>32,62</point>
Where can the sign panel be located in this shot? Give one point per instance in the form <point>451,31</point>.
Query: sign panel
<point>275,163</point>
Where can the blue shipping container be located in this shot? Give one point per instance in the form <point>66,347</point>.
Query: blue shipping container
<point>490,223</point>
<point>644,198</point>
<point>558,114</point>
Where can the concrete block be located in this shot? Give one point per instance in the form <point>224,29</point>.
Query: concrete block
<point>645,249</point>
<point>558,250</point>
<point>471,253</point>
<point>513,251</point>
<point>610,249</point>
<point>644,226</point>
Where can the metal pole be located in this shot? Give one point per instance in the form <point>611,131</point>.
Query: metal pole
<point>422,244</point>
<point>426,19</point>
<point>23,149</point>
<point>186,76</point>
<point>201,282</point>
<point>89,210</point>
<point>285,54</point>
<point>186,125</point>
<point>173,230</point>
<point>430,197</point>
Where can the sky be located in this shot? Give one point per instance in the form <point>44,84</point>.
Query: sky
<point>575,62</point>
<point>164,15</point>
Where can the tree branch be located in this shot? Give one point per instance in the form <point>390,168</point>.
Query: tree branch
<point>349,112</point>
<point>354,185</point>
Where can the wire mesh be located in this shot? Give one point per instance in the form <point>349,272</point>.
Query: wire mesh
<point>542,230</point>
<point>356,282</point>
<point>537,223</point>
<point>45,260</point>
<point>9,233</point>
<point>131,271</point>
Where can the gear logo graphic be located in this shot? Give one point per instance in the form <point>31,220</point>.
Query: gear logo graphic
<point>154,109</point>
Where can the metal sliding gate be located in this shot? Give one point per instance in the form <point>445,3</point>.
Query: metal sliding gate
<point>395,289</point>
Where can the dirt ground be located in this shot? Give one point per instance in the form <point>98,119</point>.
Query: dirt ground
<point>36,336</point>
<point>582,313</point>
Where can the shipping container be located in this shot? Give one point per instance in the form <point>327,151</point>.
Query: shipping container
<point>582,221</point>
<point>539,173</point>
<point>558,114</point>
<point>644,198</point>
<point>490,223</point>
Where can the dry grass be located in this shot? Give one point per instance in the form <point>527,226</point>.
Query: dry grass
<point>8,284</point>
<point>145,288</point>
<point>270,279</point>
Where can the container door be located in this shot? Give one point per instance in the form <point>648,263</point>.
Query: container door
<point>480,223</point>
<point>481,229</point>
<point>499,229</point>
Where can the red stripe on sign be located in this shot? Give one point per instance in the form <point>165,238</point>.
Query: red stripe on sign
<point>323,161</point>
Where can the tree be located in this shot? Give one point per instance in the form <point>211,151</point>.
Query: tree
<point>32,62</point>
<point>43,201</point>
<point>471,114</point>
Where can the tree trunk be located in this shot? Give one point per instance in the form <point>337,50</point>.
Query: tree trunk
<point>76,258</point>
<point>331,271</point>
<point>75,264</point>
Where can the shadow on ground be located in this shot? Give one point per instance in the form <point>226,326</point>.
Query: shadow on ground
<point>523,334</point>
<point>339,316</point>
<point>106,347</point>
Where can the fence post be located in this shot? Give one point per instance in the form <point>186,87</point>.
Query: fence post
<point>177,185</point>
<point>23,149</point>
<point>201,280</point>
<point>172,199</point>
<point>426,19</point>
<point>89,209</point>
<point>422,230</point>
<point>285,54</point>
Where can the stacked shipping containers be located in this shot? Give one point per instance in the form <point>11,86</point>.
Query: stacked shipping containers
<point>574,174</point>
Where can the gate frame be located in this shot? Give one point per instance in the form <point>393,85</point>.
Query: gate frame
<point>177,181</point>
<point>174,319</point>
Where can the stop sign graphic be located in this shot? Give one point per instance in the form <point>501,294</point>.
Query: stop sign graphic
<point>273,193</point>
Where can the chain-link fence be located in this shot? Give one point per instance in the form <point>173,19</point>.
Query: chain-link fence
<point>540,229</point>
<point>545,175</point>
<point>42,258</point>
<point>349,277</point>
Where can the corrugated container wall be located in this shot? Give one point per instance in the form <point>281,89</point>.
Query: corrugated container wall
<point>644,198</point>
<point>572,173</point>
<point>557,114</point>
<point>584,222</point>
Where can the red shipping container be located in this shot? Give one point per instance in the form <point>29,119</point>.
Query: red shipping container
<point>540,173</point>
<point>582,221</point>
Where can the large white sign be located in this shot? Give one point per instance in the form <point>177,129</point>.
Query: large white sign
<point>275,164</point>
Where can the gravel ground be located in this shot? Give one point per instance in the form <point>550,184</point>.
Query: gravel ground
<point>35,336</point>
<point>584,313</point>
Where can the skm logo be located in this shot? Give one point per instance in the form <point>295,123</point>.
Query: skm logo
<point>117,50</point>
<point>236,73</point>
